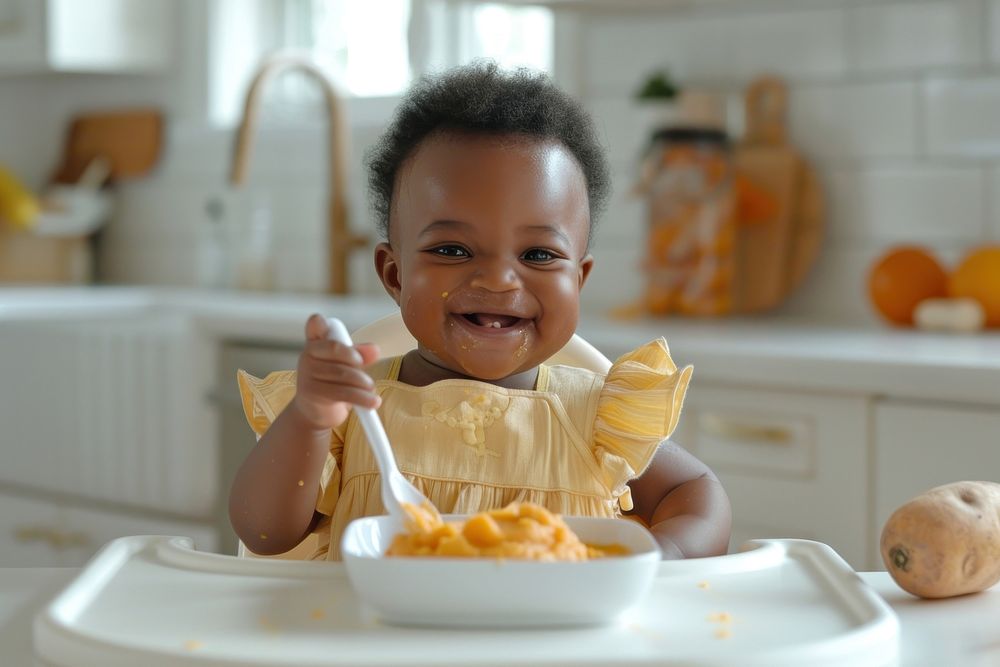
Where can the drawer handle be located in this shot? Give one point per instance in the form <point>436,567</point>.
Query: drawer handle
<point>31,533</point>
<point>736,430</point>
<point>60,540</point>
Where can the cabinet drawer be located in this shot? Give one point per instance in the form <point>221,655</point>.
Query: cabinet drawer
<point>28,528</point>
<point>111,410</point>
<point>35,532</point>
<point>765,442</point>
<point>922,445</point>
<point>794,464</point>
<point>96,528</point>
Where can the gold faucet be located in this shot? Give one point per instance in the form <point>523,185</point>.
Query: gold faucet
<point>341,239</point>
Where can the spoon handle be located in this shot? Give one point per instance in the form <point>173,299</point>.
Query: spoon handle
<point>374,431</point>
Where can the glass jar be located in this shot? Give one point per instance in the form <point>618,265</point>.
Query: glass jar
<point>690,191</point>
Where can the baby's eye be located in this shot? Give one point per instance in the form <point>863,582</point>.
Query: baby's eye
<point>538,255</point>
<point>450,251</point>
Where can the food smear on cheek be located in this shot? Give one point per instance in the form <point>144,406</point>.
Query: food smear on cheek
<point>523,348</point>
<point>520,531</point>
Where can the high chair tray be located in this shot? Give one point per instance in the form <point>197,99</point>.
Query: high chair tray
<point>154,601</point>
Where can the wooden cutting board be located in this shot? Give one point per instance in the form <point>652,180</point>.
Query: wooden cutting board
<point>779,238</point>
<point>129,140</point>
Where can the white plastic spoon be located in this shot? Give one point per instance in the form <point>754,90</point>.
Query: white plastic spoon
<point>396,489</point>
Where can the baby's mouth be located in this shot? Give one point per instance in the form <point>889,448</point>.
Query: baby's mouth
<point>491,320</point>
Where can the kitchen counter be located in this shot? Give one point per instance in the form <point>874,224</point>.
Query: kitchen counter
<point>766,350</point>
<point>957,631</point>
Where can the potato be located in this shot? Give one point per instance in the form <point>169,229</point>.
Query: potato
<point>946,541</point>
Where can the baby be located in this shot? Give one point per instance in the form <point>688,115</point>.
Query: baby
<point>486,186</point>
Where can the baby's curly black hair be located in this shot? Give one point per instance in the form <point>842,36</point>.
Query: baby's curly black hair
<point>480,98</point>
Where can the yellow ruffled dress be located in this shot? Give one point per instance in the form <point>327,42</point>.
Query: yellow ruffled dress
<point>571,444</point>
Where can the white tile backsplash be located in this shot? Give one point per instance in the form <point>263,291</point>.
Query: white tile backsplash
<point>160,224</point>
<point>993,29</point>
<point>855,120</point>
<point>713,47</point>
<point>962,116</point>
<point>620,51</point>
<point>624,130</point>
<point>895,102</point>
<point>834,289</point>
<point>623,224</point>
<point>616,280</point>
<point>145,262</point>
<point>993,205</point>
<point>913,36</point>
<point>796,45</point>
<point>909,203</point>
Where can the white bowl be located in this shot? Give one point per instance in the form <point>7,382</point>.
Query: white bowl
<point>488,592</point>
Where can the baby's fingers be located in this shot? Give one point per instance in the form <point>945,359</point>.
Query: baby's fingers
<point>316,327</point>
<point>332,351</point>
<point>369,352</point>
<point>340,374</point>
<point>364,398</point>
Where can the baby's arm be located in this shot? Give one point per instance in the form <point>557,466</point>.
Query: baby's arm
<point>273,497</point>
<point>683,503</point>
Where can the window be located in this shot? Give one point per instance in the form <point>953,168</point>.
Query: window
<point>370,48</point>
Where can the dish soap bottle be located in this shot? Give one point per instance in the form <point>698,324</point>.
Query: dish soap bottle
<point>255,270</point>
<point>213,255</point>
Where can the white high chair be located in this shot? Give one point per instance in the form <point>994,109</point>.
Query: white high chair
<point>394,339</point>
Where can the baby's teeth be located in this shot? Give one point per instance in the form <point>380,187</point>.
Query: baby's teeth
<point>495,325</point>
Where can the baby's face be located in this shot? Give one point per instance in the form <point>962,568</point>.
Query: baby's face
<point>488,251</point>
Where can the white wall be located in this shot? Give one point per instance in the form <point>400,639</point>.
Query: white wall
<point>896,102</point>
<point>159,219</point>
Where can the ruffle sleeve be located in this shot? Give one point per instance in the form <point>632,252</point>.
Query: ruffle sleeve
<point>264,399</point>
<point>638,407</point>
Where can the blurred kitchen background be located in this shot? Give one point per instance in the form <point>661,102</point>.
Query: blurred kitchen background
<point>173,248</point>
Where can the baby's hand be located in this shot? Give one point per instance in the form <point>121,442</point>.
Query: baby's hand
<point>331,377</point>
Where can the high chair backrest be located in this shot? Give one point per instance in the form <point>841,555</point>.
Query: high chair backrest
<point>394,339</point>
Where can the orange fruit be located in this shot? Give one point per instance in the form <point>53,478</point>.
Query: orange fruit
<point>903,277</point>
<point>978,277</point>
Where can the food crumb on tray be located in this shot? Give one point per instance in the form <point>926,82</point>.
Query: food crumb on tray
<point>645,632</point>
<point>724,619</point>
<point>192,645</point>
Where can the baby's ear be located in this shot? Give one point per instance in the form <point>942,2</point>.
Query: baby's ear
<point>387,268</point>
<point>586,264</point>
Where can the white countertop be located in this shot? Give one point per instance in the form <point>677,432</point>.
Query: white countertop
<point>956,631</point>
<point>764,351</point>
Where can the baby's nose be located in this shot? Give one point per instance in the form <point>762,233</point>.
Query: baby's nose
<point>496,275</point>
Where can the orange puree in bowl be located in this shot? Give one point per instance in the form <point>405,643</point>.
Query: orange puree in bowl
<point>519,531</point>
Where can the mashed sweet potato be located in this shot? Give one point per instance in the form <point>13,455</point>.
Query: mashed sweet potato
<point>523,531</point>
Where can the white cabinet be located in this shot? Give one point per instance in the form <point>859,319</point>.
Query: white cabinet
<point>96,527</point>
<point>90,36</point>
<point>31,533</point>
<point>111,410</point>
<point>793,463</point>
<point>922,445</point>
<point>61,533</point>
<point>235,436</point>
